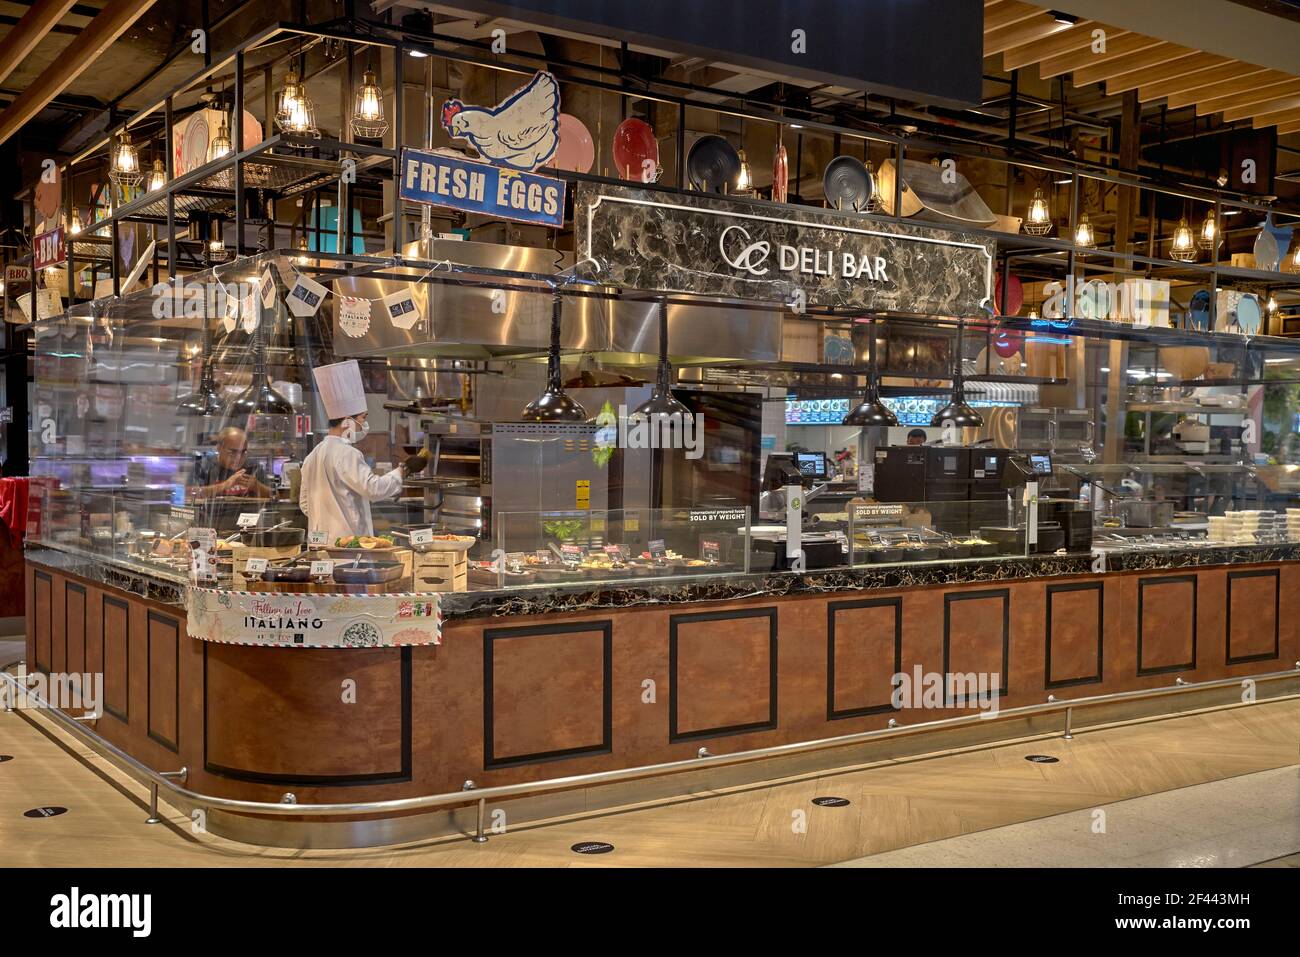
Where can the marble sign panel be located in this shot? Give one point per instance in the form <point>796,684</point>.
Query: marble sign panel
<point>751,249</point>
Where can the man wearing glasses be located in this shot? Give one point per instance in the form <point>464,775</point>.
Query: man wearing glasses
<point>223,471</point>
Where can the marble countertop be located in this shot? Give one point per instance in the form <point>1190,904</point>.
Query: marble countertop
<point>550,599</point>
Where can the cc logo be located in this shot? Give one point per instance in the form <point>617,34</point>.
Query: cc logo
<point>750,257</point>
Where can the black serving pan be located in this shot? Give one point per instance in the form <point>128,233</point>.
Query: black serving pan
<point>367,573</point>
<point>287,573</point>
<point>272,538</point>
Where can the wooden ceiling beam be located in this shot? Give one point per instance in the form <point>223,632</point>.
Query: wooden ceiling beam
<point>1025,34</point>
<point>1156,55</point>
<point>1166,71</point>
<point>1239,84</point>
<point>41,17</point>
<point>1005,13</point>
<point>1226,73</point>
<point>1236,101</point>
<point>1117,48</point>
<point>1067,40</point>
<point>1278,117</point>
<point>1292,127</point>
<point>1278,104</point>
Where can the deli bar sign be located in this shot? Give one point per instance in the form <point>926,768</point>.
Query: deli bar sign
<point>748,249</point>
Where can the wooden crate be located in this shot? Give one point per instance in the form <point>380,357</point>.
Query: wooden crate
<point>440,571</point>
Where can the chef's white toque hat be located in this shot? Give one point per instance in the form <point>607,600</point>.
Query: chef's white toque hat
<point>340,389</point>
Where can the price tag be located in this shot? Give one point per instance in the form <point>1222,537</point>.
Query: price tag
<point>322,569</point>
<point>543,555</point>
<point>255,566</point>
<point>516,559</point>
<point>202,538</point>
<point>617,552</point>
<point>710,550</point>
<point>317,538</point>
<point>657,548</point>
<point>248,519</point>
<point>421,536</point>
<point>572,554</point>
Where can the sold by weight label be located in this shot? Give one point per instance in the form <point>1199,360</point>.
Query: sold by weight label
<point>737,514</point>
<point>862,513</point>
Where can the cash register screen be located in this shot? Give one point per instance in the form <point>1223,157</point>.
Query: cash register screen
<point>1041,464</point>
<point>811,464</point>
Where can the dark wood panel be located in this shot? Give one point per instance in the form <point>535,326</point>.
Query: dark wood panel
<point>307,716</point>
<point>864,650</point>
<point>548,693</point>
<point>42,616</point>
<point>1166,640</point>
<point>1075,630</point>
<point>162,667</point>
<point>722,669</point>
<point>74,629</point>
<point>115,650</point>
<point>977,637</point>
<point>1252,616</point>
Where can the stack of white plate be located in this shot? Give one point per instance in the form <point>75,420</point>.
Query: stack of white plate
<point>1293,524</point>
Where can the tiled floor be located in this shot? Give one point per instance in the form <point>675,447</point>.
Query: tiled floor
<point>1242,821</point>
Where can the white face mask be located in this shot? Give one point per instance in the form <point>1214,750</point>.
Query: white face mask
<point>353,432</point>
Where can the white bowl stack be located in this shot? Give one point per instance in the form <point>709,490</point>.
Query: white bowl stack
<point>1293,524</point>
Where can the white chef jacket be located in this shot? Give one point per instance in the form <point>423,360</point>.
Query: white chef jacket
<point>338,487</point>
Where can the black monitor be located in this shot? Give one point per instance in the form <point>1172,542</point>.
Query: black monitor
<point>811,465</point>
<point>1040,463</point>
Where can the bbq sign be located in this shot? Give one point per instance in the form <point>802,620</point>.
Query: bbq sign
<point>475,187</point>
<point>750,249</point>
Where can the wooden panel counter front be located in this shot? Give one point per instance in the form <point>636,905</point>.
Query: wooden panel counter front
<point>508,699</point>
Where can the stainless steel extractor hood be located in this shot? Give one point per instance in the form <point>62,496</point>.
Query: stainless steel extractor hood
<point>500,317</point>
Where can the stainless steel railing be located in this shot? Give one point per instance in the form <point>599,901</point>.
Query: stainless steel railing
<point>289,808</point>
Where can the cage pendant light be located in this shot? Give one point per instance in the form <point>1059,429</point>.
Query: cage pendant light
<point>288,100</point>
<point>1083,234</point>
<point>1038,218</point>
<point>1209,236</point>
<point>124,169</point>
<point>1183,246</point>
<point>368,120</point>
<point>220,145</point>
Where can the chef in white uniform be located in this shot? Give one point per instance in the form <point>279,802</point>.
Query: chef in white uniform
<point>337,484</point>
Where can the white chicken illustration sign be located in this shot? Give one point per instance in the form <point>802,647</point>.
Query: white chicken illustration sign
<point>512,138</point>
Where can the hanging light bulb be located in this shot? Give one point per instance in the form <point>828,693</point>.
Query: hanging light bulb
<point>1295,256</point>
<point>216,243</point>
<point>1038,221</point>
<point>1033,313</point>
<point>302,255</point>
<point>1272,304</point>
<point>157,176</point>
<point>1083,234</point>
<point>289,98</point>
<point>744,179</point>
<point>74,224</point>
<point>220,145</point>
<point>368,108</point>
<point>302,118</point>
<point>1209,238</point>
<point>125,167</point>
<point>1183,247</point>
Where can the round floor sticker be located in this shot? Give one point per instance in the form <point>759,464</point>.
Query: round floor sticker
<point>45,812</point>
<point>831,802</point>
<point>1041,758</point>
<point>592,847</point>
<point>6,757</point>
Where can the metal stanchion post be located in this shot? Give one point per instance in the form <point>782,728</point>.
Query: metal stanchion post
<point>480,837</point>
<point>1069,720</point>
<point>153,817</point>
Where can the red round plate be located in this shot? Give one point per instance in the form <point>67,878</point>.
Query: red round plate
<point>1007,343</point>
<point>634,144</point>
<point>1015,296</point>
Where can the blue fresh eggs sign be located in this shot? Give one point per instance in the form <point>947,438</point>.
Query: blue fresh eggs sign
<point>474,187</point>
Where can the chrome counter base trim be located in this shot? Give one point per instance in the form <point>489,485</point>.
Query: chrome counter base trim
<point>431,817</point>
